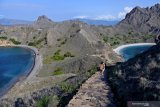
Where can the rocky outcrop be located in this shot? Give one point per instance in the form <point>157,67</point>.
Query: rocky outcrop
<point>93,93</point>
<point>145,20</point>
<point>138,78</point>
<point>44,22</point>
<point>5,43</point>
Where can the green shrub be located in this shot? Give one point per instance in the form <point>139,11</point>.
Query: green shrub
<point>57,57</point>
<point>67,87</point>
<point>57,52</point>
<point>3,37</point>
<point>91,71</point>
<point>58,71</point>
<point>59,39</point>
<point>105,39</point>
<point>39,41</point>
<point>43,102</point>
<point>14,41</point>
<point>31,44</point>
<point>64,42</point>
<point>68,54</point>
<point>146,37</point>
<point>35,43</point>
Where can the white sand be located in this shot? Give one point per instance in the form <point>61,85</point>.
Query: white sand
<point>117,50</point>
<point>38,62</point>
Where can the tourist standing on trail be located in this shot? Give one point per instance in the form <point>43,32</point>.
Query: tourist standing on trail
<point>102,68</point>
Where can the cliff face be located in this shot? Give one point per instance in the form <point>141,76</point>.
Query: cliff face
<point>140,25</point>
<point>44,22</point>
<point>138,78</point>
<point>145,20</point>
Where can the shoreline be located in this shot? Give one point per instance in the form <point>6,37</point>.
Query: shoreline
<point>117,50</point>
<point>31,74</point>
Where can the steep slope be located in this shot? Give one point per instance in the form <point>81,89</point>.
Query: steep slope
<point>140,25</point>
<point>71,48</point>
<point>44,22</point>
<point>137,79</point>
<point>144,20</point>
<point>79,39</point>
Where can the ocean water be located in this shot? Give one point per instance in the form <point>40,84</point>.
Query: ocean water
<point>15,62</point>
<point>132,51</point>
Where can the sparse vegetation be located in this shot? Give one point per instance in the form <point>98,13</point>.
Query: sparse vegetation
<point>36,42</point>
<point>64,42</point>
<point>3,37</point>
<point>47,60</point>
<point>59,39</point>
<point>91,71</point>
<point>146,37</point>
<point>43,102</point>
<point>67,87</point>
<point>58,71</point>
<point>68,54</point>
<point>130,37</point>
<point>57,56</point>
<point>14,41</point>
<point>34,37</point>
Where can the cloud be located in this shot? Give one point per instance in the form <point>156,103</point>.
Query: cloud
<point>126,10</point>
<point>105,17</point>
<point>101,17</point>
<point>108,17</point>
<point>80,17</point>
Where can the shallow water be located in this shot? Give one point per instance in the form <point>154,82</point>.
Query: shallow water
<point>132,51</point>
<point>15,62</point>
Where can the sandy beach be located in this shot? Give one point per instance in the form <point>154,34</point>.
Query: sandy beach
<point>37,64</point>
<point>117,50</point>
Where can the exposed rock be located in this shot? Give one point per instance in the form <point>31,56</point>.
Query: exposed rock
<point>145,20</point>
<point>44,22</point>
<point>138,78</point>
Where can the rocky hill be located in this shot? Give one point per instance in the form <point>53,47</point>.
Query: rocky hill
<point>144,20</point>
<point>138,78</point>
<point>73,37</point>
<point>71,51</point>
<point>43,22</point>
<point>139,25</point>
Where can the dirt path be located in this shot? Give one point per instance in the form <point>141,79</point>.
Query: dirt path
<point>95,92</point>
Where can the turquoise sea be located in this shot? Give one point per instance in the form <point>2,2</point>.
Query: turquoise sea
<point>15,63</point>
<point>132,51</point>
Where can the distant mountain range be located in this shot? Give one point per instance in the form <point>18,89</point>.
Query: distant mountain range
<point>99,22</point>
<point>9,22</point>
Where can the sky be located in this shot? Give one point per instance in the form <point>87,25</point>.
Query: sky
<point>59,10</point>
